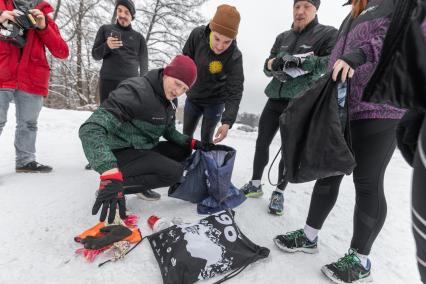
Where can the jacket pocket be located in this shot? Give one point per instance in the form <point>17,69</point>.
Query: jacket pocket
<point>5,66</point>
<point>40,71</point>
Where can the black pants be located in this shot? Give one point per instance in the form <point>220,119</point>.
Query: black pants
<point>149,169</point>
<point>211,114</point>
<point>419,202</point>
<point>373,143</point>
<point>106,87</point>
<point>268,126</point>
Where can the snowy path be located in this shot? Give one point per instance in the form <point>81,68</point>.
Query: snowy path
<point>42,212</point>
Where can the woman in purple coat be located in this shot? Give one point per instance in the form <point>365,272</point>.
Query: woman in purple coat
<point>372,128</point>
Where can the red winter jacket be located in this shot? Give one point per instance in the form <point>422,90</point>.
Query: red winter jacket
<point>27,69</point>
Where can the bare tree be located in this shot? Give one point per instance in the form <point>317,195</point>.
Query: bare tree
<point>164,23</point>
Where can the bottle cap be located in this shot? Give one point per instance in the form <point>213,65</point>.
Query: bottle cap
<point>152,220</point>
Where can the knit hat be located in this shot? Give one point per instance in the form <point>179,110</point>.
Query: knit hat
<point>128,4</point>
<point>226,21</point>
<point>182,67</point>
<point>316,3</point>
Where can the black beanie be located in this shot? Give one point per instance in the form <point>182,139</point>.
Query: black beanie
<point>316,3</point>
<point>128,4</point>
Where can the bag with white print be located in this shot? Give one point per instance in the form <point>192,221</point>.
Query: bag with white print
<point>202,250</point>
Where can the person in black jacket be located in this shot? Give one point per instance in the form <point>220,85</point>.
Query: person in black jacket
<point>121,138</point>
<point>124,54</point>
<point>217,93</point>
<point>306,36</point>
<point>122,49</point>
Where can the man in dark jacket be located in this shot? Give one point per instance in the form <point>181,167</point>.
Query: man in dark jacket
<point>122,49</point>
<point>24,76</point>
<point>217,93</point>
<point>307,45</point>
<point>121,138</point>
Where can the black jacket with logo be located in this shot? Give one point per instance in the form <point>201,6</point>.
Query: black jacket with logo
<point>135,115</point>
<point>220,78</point>
<point>130,60</point>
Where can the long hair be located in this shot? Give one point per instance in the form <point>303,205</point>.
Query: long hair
<point>358,6</point>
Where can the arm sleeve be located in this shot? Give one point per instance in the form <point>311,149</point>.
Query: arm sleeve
<point>189,47</point>
<point>175,136</point>
<point>143,57</point>
<point>100,48</point>
<point>274,51</point>
<point>94,136</point>
<point>234,89</point>
<point>53,40</point>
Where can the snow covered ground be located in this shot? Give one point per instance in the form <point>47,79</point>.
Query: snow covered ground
<point>41,213</point>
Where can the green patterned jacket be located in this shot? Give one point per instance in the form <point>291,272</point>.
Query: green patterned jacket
<point>135,115</point>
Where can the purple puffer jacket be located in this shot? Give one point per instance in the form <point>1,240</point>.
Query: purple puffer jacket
<point>365,35</point>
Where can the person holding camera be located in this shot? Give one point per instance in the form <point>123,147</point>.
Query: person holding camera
<point>26,29</point>
<point>123,50</point>
<point>306,46</point>
<point>121,138</point>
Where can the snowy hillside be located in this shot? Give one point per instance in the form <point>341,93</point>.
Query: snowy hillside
<point>41,213</point>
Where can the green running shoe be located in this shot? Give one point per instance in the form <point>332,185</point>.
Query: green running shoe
<point>250,190</point>
<point>296,241</point>
<point>348,269</point>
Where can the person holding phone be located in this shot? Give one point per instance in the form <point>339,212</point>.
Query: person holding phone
<point>123,50</point>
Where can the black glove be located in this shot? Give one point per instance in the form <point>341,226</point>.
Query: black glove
<point>291,61</point>
<point>114,233</point>
<point>109,194</point>
<point>204,146</point>
<point>407,134</point>
<point>278,64</point>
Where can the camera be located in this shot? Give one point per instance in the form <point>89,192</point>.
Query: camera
<point>14,32</point>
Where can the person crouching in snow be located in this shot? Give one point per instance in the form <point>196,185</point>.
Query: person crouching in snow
<point>121,138</point>
<point>217,93</point>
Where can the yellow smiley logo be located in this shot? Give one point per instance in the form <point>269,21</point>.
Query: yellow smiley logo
<point>215,67</point>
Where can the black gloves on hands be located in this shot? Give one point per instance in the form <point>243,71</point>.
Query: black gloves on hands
<point>114,233</point>
<point>110,194</point>
<point>407,134</point>
<point>204,146</point>
<point>287,61</point>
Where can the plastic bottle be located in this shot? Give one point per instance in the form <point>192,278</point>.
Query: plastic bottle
<point>158,224</point>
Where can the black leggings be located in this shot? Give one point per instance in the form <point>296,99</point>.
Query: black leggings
<point>106,87</point>
<point>269,124</point>
<point>149,169</point>
<point>419,202</point>
<point>373,143</point>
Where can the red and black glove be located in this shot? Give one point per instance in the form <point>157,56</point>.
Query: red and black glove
<point>204,146</point>
<point>110,194</point>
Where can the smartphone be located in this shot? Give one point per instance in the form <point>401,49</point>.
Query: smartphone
<point>116,34</point>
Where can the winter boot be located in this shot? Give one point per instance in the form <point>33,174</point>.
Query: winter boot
<point>149,195</point>
<point>250,190</point>
<point>276,205</point>
<point>296,241</point>
<point>348,269</point>
<point>33,167</point>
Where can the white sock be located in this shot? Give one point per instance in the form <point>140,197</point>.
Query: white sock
<point>363,258</point>
<point>310,233</point>
<point>256,182</point>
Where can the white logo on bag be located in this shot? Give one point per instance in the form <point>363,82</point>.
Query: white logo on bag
<point>230,233</point>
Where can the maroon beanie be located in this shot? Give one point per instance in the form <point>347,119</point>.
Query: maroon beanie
<point>182,67</point>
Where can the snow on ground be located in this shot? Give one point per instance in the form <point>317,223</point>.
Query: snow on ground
<point>41,213</point>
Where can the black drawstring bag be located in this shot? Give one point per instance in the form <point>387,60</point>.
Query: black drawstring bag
<point>210,247</point>
<point>314,143</point>
<point>399,78</point>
